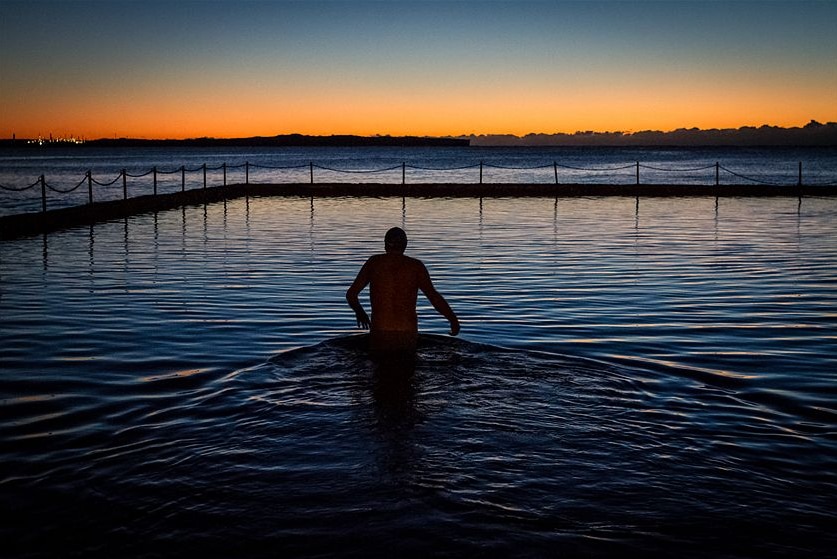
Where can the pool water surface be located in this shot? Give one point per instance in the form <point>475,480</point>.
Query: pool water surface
<point>633,375</point>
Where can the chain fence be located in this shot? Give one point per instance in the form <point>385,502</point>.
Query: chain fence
<point>314,168</point>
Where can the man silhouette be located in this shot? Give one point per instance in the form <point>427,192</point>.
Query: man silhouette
<point>394,281</point>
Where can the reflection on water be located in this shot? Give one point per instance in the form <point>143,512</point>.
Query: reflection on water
<point>471,448</point>
<point>651,376</point>
<point>577,276</point>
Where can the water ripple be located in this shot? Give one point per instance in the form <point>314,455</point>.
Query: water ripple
<point>655,379</point>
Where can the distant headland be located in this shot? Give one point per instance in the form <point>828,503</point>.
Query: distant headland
<point>284,140</point>
<point>813,134</point>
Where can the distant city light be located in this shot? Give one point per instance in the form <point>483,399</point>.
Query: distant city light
<point>59,140</point>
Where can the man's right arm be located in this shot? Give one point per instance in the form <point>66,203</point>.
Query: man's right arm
<point>361,281</point>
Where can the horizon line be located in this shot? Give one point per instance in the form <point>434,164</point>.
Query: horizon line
<point>612,133</point>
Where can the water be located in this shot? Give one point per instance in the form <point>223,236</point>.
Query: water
<point>652,376</point>
<point>65,168</point>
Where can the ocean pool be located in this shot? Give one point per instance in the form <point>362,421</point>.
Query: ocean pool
<point>633,375</point>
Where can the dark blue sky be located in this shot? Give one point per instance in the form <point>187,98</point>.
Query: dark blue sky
<point>150,68</point>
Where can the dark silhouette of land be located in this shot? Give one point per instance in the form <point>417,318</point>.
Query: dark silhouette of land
<point>284,140</point>
<point>813,134</point>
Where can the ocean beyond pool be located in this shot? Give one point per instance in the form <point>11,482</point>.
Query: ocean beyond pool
<point>634,376</point>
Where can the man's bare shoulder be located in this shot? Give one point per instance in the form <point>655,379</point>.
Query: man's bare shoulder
<point>414,265</point>
<point>396,265</point>
<point>375,259</point>
<point>399,259</point>
<point>413,261</point>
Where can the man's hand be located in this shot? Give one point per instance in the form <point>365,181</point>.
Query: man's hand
<point>362,319</point>
<point>454,326</point>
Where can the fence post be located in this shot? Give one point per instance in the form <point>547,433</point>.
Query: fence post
<point>204,176</point>
<point>43,193</point>
<point>717,173</point>
<point>799,183</point>
<point>89,187</point>
<point>311,168</point>
<point>224,166</point>
<point>247,172</point>
<point>124,184</point>
<point>182,178</point>
<point>637,173</point>
<point>403,172</point>
<point>555,167</point>
<point>154,171</point>
<point>480,172</point>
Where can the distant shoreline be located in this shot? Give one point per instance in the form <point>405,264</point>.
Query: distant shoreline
<point>813,134</point>
<point>287,140</point>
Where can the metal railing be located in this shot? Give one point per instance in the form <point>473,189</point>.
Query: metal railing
<point>154,172</point>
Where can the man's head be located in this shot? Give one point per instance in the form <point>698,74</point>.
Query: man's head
<point>395,240</point>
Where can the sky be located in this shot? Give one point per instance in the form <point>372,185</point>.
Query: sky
<point>240,68</point>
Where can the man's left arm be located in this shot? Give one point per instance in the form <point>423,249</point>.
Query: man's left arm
<point>439,303</point>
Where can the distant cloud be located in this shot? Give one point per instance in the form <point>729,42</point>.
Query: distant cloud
<point>812,134</point>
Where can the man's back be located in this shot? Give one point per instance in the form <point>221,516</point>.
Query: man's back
<point>394,281</point>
